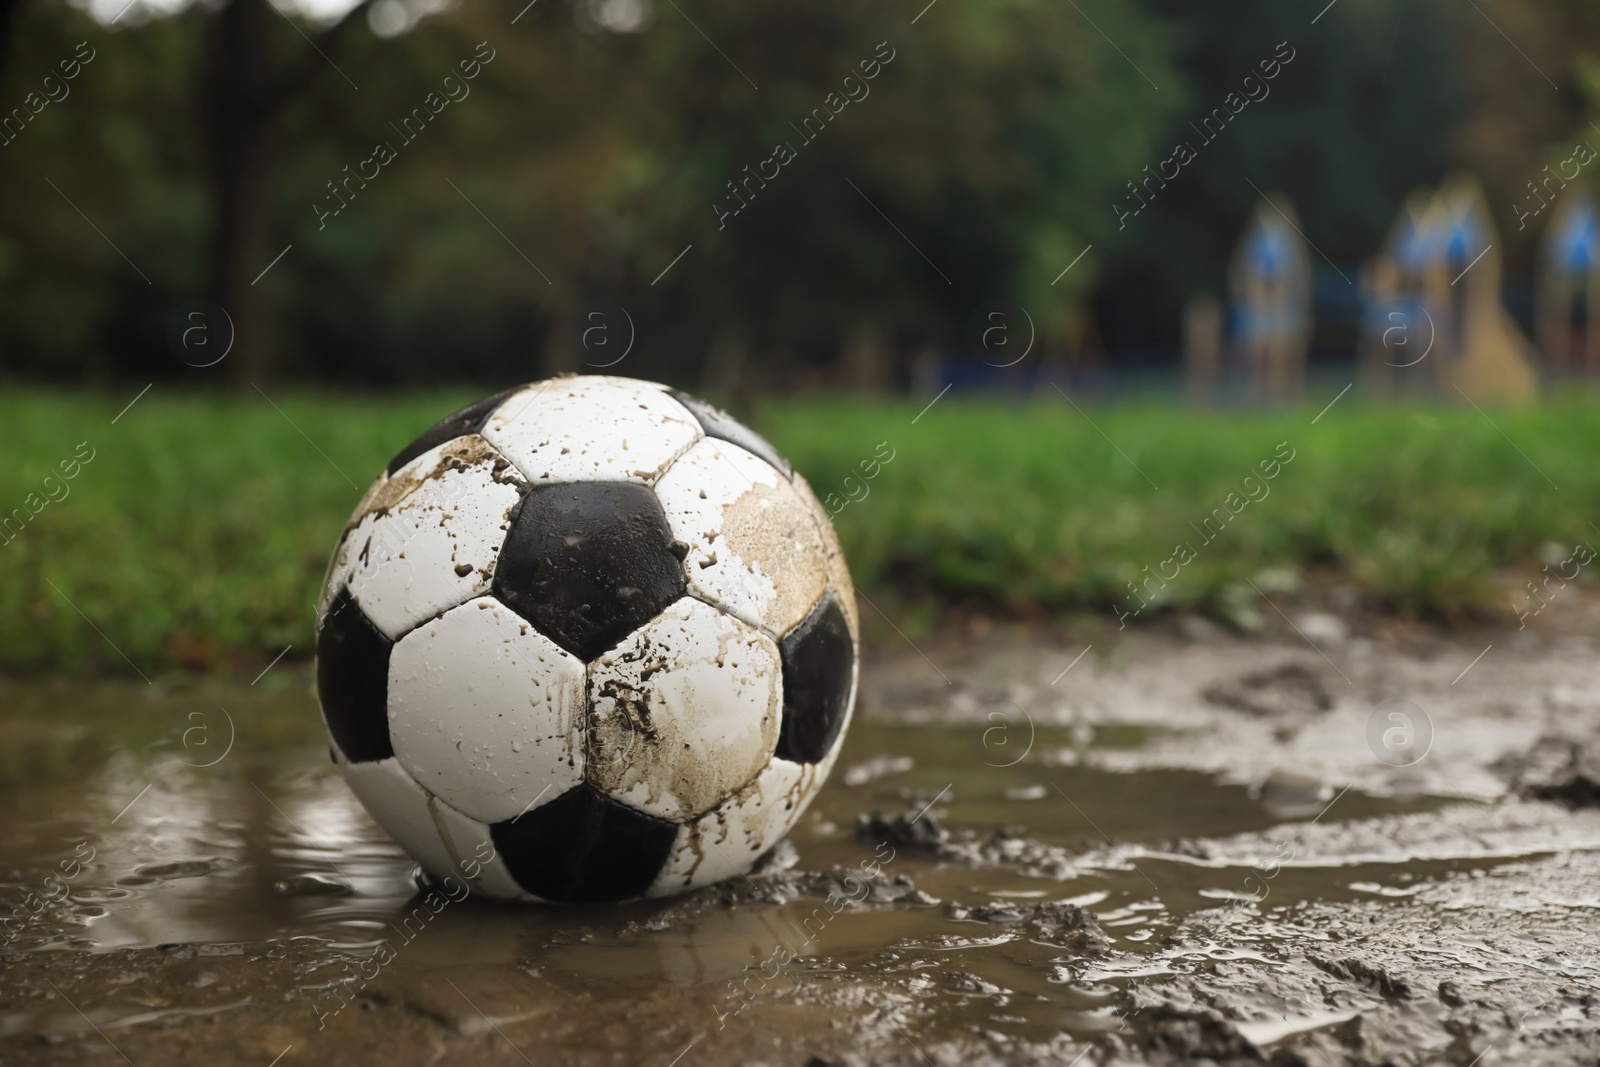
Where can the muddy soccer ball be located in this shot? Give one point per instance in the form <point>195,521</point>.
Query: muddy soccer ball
<point>591,639</point>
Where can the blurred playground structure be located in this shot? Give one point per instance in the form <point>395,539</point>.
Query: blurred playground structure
<point>1569,289</point>
<point>1433,323</point>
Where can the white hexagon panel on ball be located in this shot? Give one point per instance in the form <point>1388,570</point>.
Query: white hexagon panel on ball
<point>399,805</point>
<point>486,712</point>
<point>730,838</point>
<point>429,535</point>
<point>591,428</point>
<point>684,711</point>
<point>754,549</point>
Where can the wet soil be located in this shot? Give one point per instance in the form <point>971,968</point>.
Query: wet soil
<point>1177,847</point>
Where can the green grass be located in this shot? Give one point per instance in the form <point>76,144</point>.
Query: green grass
<point>198,533</point>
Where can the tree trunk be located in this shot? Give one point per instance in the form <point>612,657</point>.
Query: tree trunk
<point>10,12</point>
<point>238,103</point>
<point>560,352</point>
<point>865,361</point>
<point>241,97</point>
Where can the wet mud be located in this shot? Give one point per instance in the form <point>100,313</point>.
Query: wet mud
<point>1179,847</point>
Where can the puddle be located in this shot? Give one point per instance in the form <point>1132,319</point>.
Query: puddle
<point>163,888</point>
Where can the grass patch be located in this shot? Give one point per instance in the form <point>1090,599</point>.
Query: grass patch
<point>1036,508</point>
<point>198,532</point>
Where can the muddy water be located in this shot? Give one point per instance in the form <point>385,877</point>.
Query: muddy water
<point>194,883</point>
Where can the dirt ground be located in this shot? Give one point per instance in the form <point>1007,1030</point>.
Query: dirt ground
<point>1335,843</point>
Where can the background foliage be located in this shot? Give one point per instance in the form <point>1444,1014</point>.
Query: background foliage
<point>995,143</point>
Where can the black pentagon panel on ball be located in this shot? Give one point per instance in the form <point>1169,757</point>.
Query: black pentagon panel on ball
<point>353,680</point>
<point>584,847</point>
<point>724,427</point>
<point>589,562</point>
<point>469,419</point>
<point>818,666</point>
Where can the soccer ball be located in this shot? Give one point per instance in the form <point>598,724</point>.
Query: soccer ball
<point>587,640</point>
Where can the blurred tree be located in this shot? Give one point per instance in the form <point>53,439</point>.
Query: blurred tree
<point>100,216</point>
<point>1532,94</point>
<point>245,86</point>
<point>967,176</point>
<point>979,145</point>
<point>1360,116</point>
<point>8,16</point>
<point>594,168</point>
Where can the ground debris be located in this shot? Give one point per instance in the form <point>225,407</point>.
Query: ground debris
<point>1003,847</point>
<point>1289,689</point>
<point>1558,768</point>
<point>1193,1033</point>
<point>1006,847</point>
<point>850,884</point>
<point>968,984</point>
<point>1366,974</point>
<point>1508,978</point>
<point>917,831</point>
<point>1051,922</point>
